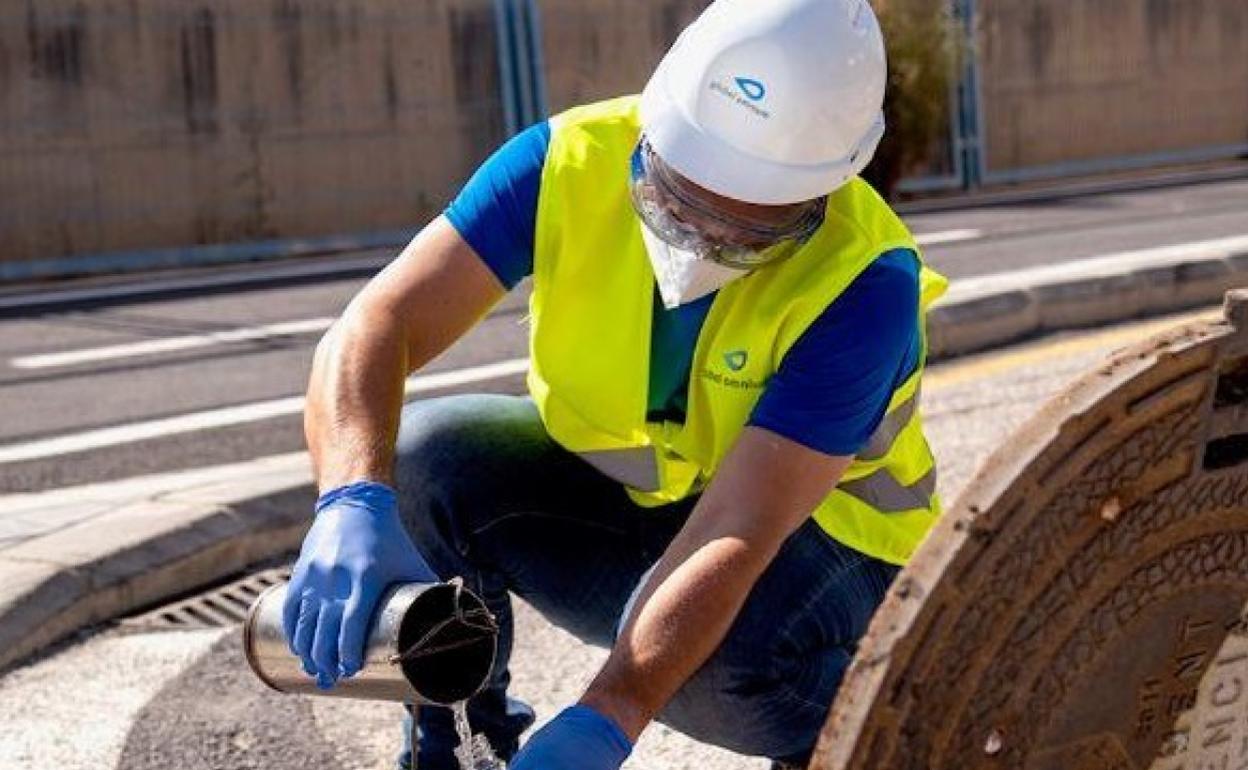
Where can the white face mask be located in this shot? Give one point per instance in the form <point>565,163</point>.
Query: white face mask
<point>682,277</point>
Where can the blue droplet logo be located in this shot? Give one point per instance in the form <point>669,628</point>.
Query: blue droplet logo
<point>736,360</point>
<point>753,90</point>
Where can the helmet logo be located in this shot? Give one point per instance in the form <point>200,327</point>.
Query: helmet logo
<point>753,90</point>
<point>736,359</point>
<point>748,94</point>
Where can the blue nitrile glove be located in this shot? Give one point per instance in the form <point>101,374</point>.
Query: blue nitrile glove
<point>356,548</point>
<point>578,739</point>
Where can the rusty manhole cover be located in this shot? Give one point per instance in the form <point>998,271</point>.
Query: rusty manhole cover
<point>1083,605</point>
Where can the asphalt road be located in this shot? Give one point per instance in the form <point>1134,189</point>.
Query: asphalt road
<point>102,390</point>
<point>148,701</point>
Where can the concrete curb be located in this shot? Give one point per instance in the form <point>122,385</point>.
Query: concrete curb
<point>139,544</point>
<point>130,544</point>
<point>989,311</point>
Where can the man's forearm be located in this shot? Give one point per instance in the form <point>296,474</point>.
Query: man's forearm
<point>682,615</point>
<point>355,395</point>
<point>413,310</point>
<point>766,487</point>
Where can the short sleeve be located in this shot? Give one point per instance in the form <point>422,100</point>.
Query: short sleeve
<point>834,385</point>
<point>496,212</point>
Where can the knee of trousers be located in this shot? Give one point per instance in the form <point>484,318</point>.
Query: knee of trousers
<point>429,450</point>
<point>758,707</point>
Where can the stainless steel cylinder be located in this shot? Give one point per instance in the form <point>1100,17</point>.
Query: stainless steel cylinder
<point>428,643</point>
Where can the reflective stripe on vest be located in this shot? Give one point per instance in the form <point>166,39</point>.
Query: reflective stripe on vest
<point>890,428</point>
<point>882,491</point>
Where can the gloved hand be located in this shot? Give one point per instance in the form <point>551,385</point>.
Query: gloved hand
<point>578,739</point>
<point>354,550</point>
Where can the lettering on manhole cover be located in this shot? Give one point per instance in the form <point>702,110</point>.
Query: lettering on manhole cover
<point>1084,605</point>
<point>1212,732</point>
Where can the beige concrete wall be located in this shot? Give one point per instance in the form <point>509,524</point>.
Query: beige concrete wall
<point>144,123</point>
<point>134,124</point>
<point>1070,80</point>
<point>597,49</point>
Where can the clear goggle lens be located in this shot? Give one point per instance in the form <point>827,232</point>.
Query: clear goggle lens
<point>717,236</point>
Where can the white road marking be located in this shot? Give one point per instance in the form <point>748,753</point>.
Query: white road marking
<point>233,415</point>
<point>172,344</point>
<point>947,236</point>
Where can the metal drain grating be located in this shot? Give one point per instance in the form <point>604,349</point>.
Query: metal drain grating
<point>219,607</point>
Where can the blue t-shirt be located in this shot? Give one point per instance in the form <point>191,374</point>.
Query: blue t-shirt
<point>832,388</point>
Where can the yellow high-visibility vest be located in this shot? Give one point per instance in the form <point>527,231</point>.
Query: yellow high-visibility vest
<point>593,289</point>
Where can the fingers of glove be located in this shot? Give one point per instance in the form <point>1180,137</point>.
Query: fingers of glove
<point>579,738</point>
<point>305,629</point>
<point>356,620</point>
<point>543,748</point>
<point>325,644</point>
<point>290,607</point>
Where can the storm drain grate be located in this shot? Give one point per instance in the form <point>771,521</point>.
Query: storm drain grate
<point>219,607</point>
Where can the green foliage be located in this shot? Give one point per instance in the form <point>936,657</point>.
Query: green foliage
<point>924,45</point>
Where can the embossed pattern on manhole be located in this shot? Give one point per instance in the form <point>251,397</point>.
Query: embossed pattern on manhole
<point>1084,605</point>
<point>219,607</point>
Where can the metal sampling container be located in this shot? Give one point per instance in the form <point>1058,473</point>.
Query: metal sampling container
<point>428,643</point>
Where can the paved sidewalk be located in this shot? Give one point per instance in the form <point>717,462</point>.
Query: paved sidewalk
<point>82,555</point>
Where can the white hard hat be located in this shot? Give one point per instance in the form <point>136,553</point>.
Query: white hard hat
<point>770,101</point>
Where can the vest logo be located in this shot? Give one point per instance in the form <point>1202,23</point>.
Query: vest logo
<point>736,361</point>
<point>753,90</point>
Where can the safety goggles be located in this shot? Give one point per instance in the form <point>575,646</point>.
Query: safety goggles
<point>664,203</point>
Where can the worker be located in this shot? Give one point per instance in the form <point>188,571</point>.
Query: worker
<point>719,465</point>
